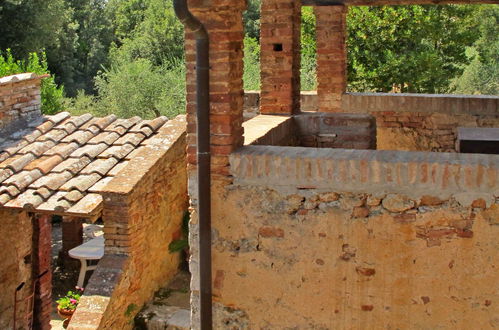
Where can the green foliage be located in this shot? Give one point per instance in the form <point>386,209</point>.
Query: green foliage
<point>51,94</point>
<point>251,76</point>
<point>139,88</point>
<point>481,76</point>
<point>154,33</point>
<point>251,19</point>
<point>70,300</point>
<point>308,77</point>
<point>407,48</point>
<point>183,242</point>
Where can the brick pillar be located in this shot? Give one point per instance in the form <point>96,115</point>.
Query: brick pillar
<point>331,56</point>
<point>19,98</point>
<point>280,24</point>
<point>42,242</point>
<point>72,236</point>
<point>225,30</point>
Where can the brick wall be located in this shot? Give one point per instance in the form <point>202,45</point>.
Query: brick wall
<point>340,239</point>
<point>280,24</point>
<point>16,264</point>
<point>42,270</point>
<point>143,209</point>
<point>19,98</point>
<point>413,122</point>
<point>331,35</point>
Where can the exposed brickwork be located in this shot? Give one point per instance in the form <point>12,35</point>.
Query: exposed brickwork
<point>225,30</point>
<point>42,245</point>
<point>368,171</point>
<point>143,208</point>
<point>16,263</point>
<point>72,236</point>
<point>331,56</point>
<point>280,56</point>
<point>19,98</point>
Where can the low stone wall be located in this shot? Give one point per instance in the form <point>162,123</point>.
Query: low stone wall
<point>412,122</point>
<point>342,239</point>
<point>143,209</point>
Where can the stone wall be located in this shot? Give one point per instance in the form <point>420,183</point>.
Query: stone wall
<point>340,239</point>
<point>143,209</point>
<point>19,98</point>
<point>16,265</point>
<point>411,122</point>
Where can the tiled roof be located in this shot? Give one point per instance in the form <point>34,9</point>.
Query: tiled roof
<point>58,163</point>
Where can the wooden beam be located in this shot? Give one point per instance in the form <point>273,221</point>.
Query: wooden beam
<point>392,2</point>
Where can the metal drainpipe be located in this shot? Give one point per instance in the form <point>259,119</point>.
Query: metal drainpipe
<point>203,156</point>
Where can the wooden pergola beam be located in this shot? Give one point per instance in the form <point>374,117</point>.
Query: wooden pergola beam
<point>393,2</point>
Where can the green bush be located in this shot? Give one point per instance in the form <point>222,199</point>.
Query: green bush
<point>251,76</point>
<point>138,88</point>
<point>51,94</point>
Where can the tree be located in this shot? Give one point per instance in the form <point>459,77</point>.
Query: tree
<point>481,76</point>
<point>408,48</point>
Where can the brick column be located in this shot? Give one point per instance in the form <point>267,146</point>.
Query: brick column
<point>280,24</point>
<point>331,56</point>
<point>42,239</point>
<point>72,236</point>
<point>223,20</point>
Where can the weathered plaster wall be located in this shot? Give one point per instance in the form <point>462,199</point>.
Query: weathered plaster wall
<point>340,239</point>
<point>143,209</point>
<point>16,245</point>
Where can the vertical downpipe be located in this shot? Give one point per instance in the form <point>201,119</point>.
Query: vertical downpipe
<point>203,157</point>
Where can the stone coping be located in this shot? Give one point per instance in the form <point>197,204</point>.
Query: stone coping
<point>21,77</point>
<point>367,171</point>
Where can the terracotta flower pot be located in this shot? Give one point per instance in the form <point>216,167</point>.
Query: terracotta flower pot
<point>66,314</point>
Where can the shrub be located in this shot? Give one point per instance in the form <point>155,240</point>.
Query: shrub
<point>51,94</point>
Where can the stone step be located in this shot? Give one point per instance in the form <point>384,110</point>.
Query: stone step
<point>170,307</point>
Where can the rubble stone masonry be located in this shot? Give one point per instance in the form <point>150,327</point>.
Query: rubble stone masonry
<point>350,239</point>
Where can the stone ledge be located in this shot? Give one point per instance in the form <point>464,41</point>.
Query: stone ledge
<point>21,77</point>
<point>368,171</point>
<point>268,129</point>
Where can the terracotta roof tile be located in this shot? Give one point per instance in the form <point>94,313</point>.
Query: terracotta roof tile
<point>54,135</point>
<point>73,165</point>
<point>80,137</point>
<point>81,182</point>
<point>100,166</point>
<point>90,150</point>
<point>27,200</point>
<point>37,148</point>
<point>44,163</point>
<point>55,119</point>
<point>18,162</point>
<point>57,163</point>
<point>12,191</point>
<point>52,181</point>
<point>62,149</point>
<point>130,138</point>
<point>5,174</point>
<point>88,204</point>
<point>102,123</point>
<point>105,137</point>
<point>118,152</point>
<point>23,179</point>
<point>52,202</point>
